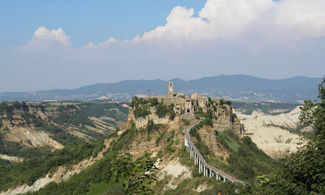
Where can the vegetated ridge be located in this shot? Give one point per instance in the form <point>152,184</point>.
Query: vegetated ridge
<point>28,130</point>
<point>153,134</point>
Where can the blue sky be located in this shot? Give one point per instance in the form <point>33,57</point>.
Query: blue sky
<point>68,44</point>
<point>84,21</point>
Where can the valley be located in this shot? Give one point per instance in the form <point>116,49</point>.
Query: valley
<point>274,133</point>
<point>100,147</point>
<point>274,127</point>
<point>34,129</point>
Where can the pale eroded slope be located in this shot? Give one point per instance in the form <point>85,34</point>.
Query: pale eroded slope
<point>265,130</point>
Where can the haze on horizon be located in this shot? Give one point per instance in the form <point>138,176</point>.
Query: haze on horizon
<point>68,44</point>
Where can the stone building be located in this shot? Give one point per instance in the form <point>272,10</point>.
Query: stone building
<point>224,118</point>
<point>183,103</point>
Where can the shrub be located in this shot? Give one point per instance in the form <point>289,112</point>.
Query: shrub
<point>150,125</point>
<point>141,111</point>
<point>153,102</point>
<point>186,122</point>
<point>161,110</point>
<point>159,138</point>
<point>172,115</point>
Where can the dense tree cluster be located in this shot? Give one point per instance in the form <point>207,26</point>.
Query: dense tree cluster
<point>136,177</point>
<point>28,171</point>
<point>162,110</point>
<point>142,108</point>
<point>304,171</point>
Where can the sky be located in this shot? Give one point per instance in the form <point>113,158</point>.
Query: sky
<point>68,44</point>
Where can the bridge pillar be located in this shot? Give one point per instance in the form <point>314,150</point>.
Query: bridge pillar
<point>204,172</point>
<point>210,172</point>
<point>195,159</point>
<point>224,179</point>
<point>199,167</point>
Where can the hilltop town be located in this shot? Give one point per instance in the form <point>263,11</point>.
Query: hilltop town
<point>191,106</point>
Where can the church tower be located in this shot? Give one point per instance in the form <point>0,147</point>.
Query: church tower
<point>170,89</point>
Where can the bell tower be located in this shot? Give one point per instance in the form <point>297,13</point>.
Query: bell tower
<point>170,89</point>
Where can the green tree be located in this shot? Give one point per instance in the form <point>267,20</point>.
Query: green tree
<point>136,177</point>
<point>172,115</point>
<point>304,171</point>
<point>161,110</point>
<point>150,125</point>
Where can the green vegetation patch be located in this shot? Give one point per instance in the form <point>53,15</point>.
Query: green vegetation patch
<point>266,107</point>
<point>16,149</point>
<point>303,171</point>
<point>189,186</point>
<point>59,134</point>
<point>245,160</point>
<point>113,174</point>
<point>28,171</point>
<point>229,140</point>
<point>125,139</point>
<point>78,114</point>
<point>142,108</point>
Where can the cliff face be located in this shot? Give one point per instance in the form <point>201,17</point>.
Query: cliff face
<point>142,121</point>
<point>208,137</point>
<point>225,119</point>
<point>274,133</point>
<point>27,128</point>
<point>153,140</point>
<point>22,126</point>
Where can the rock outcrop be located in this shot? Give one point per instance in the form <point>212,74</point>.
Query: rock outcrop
<point>271,132</point>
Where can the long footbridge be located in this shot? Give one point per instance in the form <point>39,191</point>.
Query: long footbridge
<point>204,167</point>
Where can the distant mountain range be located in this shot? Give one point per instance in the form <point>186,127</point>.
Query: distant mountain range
<point>233,87</point>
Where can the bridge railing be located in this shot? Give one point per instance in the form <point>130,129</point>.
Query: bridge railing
<point>207,169</point>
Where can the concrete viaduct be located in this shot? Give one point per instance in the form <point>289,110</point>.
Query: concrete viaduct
<point>204,167</point>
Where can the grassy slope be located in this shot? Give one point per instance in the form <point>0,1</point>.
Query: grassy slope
<point>97,178</point>
<point>245,160</point>
<point>28,171</point>
<point>60,117</point>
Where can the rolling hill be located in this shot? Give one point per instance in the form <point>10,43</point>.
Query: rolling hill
<point>233,87</point>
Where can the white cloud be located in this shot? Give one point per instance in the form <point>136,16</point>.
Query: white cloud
<point>181,25</point>
<point>257,23</point>
<point>103,44</point>
<point>224,37</point>
<point>301,18</point>
<point>44,38</point>
<point>235,19</point>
